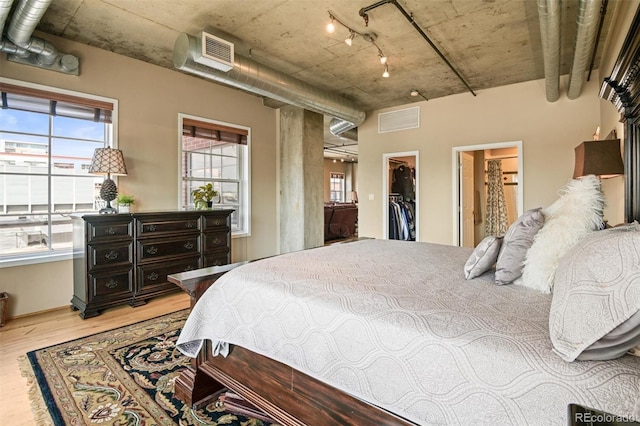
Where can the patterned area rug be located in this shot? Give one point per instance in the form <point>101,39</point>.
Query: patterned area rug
<point>120,377</point>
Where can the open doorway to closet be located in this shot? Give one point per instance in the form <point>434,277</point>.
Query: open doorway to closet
<point>400,196</point>
<point>488,190</point>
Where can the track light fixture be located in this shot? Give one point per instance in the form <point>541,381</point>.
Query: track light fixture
<point>369,37</point>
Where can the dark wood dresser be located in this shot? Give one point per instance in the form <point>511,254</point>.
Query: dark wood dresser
<point>125,258</point>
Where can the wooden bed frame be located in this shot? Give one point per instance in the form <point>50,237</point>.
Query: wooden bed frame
<point>285,394</point>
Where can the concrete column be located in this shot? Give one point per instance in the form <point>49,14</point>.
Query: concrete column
<point>301,174</point>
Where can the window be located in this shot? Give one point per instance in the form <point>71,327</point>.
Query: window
<point>336,187</point>
<point>47,140</point>
<point>217,152</point>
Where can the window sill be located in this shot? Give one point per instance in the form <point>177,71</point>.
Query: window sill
<point>33,259</point>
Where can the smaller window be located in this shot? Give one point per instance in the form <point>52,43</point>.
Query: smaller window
<point>336,187</point>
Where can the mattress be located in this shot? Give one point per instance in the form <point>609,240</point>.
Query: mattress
<point>396,324</point>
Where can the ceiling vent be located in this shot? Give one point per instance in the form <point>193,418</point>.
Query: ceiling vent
<point>402,119</point>
<point>215,52</point>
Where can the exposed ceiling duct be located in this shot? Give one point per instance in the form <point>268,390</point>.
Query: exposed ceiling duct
<point>549,13</point>
<point>23,47</point>
<point>588,20</point>
<point>262,80</point>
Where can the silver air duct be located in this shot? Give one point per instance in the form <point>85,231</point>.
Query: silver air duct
<point>23,23</point>
<point>5,7</point>
<point>549,13</point>
<point>588,19</point>
<point>254,77</point>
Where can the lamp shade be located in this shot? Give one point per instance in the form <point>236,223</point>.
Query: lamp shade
<point>108,161</point>
<point>600,158</point>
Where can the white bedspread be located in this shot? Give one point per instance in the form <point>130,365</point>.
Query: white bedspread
<point>396,324</point>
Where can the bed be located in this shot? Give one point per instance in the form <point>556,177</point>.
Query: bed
<point>389,332</point>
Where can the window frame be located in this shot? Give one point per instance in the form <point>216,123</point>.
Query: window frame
<point>25,259</point>
<point>343,191</point>
<point>244,164</point>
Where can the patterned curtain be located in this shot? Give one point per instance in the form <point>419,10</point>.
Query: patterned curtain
<point>496,223</point>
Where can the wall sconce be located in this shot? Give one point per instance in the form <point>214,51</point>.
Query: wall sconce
<point>107,162</point>
<point>600,158</point>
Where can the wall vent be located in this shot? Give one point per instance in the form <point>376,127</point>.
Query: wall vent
<point>215,52</point>
<point>402,119</point>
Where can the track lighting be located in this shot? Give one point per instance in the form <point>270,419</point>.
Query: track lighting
<point>369,37</point>
<point>349,40</point>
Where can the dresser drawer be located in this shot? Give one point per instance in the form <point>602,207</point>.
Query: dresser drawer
<point>216,241</point>
<point>148,227</point>
<point>217,259</point>
<point>109,255</point>
<point>156,273</point>
<point>217,223</point>
<point>157,248</point>
<point>110,231</point>
<point>114,284</point>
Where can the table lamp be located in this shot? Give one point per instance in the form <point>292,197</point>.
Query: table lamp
<point>107,162</point>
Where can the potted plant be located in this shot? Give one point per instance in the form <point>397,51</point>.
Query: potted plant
<point>124,203</point>
<point>203,196</point>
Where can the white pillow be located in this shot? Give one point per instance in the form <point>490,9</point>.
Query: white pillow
<point>484,256</point>
<point>575,214</point>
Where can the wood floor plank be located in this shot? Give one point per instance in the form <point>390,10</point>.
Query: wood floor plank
<point>25,334</point>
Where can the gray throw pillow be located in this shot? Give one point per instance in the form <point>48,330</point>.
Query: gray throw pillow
<point>516,242</point>
<point>595,310</point>
<point>484,256</point>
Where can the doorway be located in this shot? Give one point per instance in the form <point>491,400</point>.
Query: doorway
<point>474,203</point>
<point>400,195</point>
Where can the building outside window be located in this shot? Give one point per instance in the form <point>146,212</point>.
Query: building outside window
<point>336,187</point>
<point>47,140</point>
<point>218,153</point>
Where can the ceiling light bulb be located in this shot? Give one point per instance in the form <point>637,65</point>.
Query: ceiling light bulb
<point>334,160</point>
<point>383,59</point>
<point>342,160</point>
<point>349,40</point>
<point>414,92</point>
<point>385,74</point>
<point>330,27</point>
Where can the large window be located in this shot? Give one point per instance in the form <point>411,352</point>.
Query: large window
<point>47,139</point>
<point>336,187</point>
<point>217,153</point>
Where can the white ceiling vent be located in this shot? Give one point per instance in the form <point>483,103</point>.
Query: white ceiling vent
<point>215,52</point>
<point>401,119</point>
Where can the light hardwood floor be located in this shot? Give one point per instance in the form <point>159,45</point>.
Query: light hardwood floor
<point>22,335</point>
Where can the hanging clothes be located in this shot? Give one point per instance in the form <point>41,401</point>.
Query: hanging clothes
<point>401,219</point>
<point>496,223</point>
<point>403,182</point>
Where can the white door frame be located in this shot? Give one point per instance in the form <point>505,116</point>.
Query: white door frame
<point>456,150</point>
<point>385,190</point>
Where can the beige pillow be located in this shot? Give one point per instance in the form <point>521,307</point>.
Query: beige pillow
<point>595,310</point>
<point>515,244</point>
<point>484,256</point>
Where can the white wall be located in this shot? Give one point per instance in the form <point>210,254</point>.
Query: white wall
<point>549,131</point>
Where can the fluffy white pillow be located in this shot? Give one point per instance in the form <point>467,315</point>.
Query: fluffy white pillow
<point>575,214</point>
<point>484,256</point>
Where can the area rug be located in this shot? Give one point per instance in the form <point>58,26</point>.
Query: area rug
<point>124,376</point>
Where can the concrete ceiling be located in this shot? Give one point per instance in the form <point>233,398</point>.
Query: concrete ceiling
<point>491,43</point>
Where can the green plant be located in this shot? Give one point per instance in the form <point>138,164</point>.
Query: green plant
<point>125,200</point>
<point>202,195</point>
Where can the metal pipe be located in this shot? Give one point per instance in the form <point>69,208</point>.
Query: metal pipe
<point>5,7</point>
<point>363,13</point>
<point>603,13</point>
<point>549,13</point>
<point>254,77</point>
<point>587,20</point>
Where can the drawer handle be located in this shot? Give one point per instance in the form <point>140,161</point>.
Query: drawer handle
<point>112,255</point>
<point>111,231</point>
<point>189,225</point>
<point>189,245</point>
<point>152,250</point>
<point>111,283</point>
<point>152,276</point>
<point>218,221</point>
<point>217,241</point>
<point>152,228</point>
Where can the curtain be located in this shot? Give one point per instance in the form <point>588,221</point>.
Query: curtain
<point>496,223</point>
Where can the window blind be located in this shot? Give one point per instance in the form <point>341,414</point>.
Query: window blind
<point>204,130</point>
